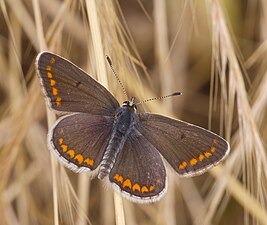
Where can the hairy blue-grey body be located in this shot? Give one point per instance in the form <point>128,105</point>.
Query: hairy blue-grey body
<point>123,125</point>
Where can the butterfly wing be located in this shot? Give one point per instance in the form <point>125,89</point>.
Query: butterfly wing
<point>189,149</point>
<point>80,140</point>
<point>139,172</point>
<point>68,88</point>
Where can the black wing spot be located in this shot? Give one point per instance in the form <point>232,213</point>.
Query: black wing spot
<point>78,83</point>
<point>183,136</point>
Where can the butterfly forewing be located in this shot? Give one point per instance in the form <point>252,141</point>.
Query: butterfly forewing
<point>139,171</point>
<point>68,88</point>
<point>189,149</point>
<point>80,140</point>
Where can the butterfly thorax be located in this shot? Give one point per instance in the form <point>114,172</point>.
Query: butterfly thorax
<point>123,124</point>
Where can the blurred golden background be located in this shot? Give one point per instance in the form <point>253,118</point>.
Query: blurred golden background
<point>213,51</point>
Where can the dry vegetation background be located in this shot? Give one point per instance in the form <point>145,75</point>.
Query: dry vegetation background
<point>213,51</point>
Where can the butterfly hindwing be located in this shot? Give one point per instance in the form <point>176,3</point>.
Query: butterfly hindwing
<point>189,149</point>
<point>80,140</point>
<point>67,88</point>
<point>139,171</point>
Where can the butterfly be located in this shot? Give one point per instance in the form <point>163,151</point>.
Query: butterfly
<point>124,147</point>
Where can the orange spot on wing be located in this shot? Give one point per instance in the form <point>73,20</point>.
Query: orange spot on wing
<point>52,82</point>
<point>193,162</point>
<point>79,158</point>
<point>64,148</point>
<point>212,149</point>
<point>58,101</point>
<point>144,189</point>
<point>215,141</point>
<point>49,75</point>
<point>118,178</point>
<point>136,187</point>
<point>52,60</point>
<point>127,183</point>
<point>158,181</point>
<point>60,140</point>
<point>151,188</point>
<point>207,154</point>
<point>89,161</point>
<point>71,153</point>
<point>49,68</point>
<point>201,157</point>
<point>182,165</point>
<point>54,91</point>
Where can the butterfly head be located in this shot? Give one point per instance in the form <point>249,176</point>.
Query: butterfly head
<point>131,104</point>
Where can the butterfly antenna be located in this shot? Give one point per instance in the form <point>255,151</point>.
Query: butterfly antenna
<point>115,74</point>
<point>158,98</point>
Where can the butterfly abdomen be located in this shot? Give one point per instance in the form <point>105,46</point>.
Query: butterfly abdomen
<point>122,127</point>
<point>115,145</point>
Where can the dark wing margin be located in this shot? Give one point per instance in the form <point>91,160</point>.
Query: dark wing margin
<point>189,149</point>
<point>68,88</point>
<point>139,172</point>
<point>80,140</point>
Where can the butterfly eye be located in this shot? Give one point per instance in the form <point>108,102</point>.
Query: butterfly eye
<point>126,103</point>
